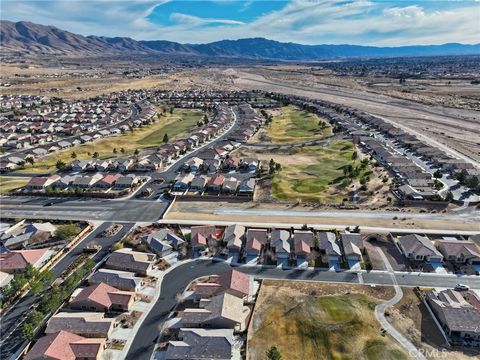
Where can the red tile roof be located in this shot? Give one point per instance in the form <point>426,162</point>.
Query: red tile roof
<point>104,295</point>
<point>217,180</point>
<point>64,345</point>
<point>235,280</point>
<point>18,259</point>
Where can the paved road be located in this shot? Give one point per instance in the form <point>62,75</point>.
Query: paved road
<point>10,330</point>
<point>176,281</point>
<point>129,210</point>
<point>172,172</point>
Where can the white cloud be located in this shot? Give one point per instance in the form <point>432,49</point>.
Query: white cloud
<point>304,21</point>
<point>197,21</point>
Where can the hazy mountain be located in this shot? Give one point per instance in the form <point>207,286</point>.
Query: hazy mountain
<point>32,39</point>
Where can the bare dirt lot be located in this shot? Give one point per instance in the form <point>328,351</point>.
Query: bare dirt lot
<point>320,321</point>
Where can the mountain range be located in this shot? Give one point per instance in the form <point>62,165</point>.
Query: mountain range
<point>26,38</point>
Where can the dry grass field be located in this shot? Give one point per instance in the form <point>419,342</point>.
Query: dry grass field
<point>176,125</point>
<point>292,125</point>
<point>8,183</point>
<point>320,321</point>
<point>312,173</point>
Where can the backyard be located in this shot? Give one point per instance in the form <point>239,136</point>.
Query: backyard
<point>291,125</point>
<point>320,321</point>
<point>176,125</point>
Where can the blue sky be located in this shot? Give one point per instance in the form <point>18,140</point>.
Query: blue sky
<point>363,22</point>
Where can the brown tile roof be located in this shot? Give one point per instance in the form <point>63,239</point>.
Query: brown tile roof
<point>64,345</point>
<point>104,295</point>
<point>18,259</point>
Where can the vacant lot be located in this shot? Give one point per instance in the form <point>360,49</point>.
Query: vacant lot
<point>316,173</point>
<point>412,319</point>
<point>320,321</point>
<point>177,124</point>
<point>291,125</point>
<point>11,183</point>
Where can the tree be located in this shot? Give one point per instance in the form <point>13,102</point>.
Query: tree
<point>73,155</point>
<point>30,160</point>
<point>95,155</point>
<point>65,232</point>
<point>354,156</point>
<point>165,138</point>
<point>449,196</point>
<point>437,174</point>
<point>21,164</point>
<point>171,110</point>
<point>273,354</point>
<point>60,165</point>
<point>122,150</point>
<point>114,150</point>
<point>205,119</point>
<point>473,182</point>
<point>136,152</point>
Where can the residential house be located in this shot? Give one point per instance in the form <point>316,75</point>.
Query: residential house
<point>86,182</point>
<point>215,184</point>
<point>352,245</point>
<point>79,165</point>
<point>198,184</point>
<point>233,237</point>
<point>86,324</point>
<point>42,182</point>
<point>125,182</point>
<point>459,252</point>
<point>419,248</point>
<point>122,280</point>
<point>329,248</point>
<point>231,163</point>
<point>64,345</point>
<point>183,183</point>
<point>249,165</point>
<point>101,297</point>
<point>16,260</point>
<point>123,165</point>
<point>193,165</point>
<point>458,318</point>
<point>230,186</point>
<point>163,242</point>
<point>195,344</point>
<point>107,181</point>
<point>126,259</point>
<point>281,245</point>
<point>221,311</point>
<point>247,187</point>
<point>201,235</point>
<point>232,281</point>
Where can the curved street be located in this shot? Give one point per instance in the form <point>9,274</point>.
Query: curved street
<point>176,280</point>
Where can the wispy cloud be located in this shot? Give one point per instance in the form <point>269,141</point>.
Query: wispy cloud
<point>371,22</point>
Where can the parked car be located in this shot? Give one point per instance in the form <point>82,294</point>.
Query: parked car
<point>461,287</point>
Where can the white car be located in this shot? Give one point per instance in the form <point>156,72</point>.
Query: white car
<point>461,287</point>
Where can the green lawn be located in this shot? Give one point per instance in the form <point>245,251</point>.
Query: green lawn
<point>176,125</point>
<point>293,125</point>
<point>180,122</point>
<point>317,175</point>
<point>8,183</point>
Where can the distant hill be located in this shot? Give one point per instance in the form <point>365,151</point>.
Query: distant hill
<point>33,39</point>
